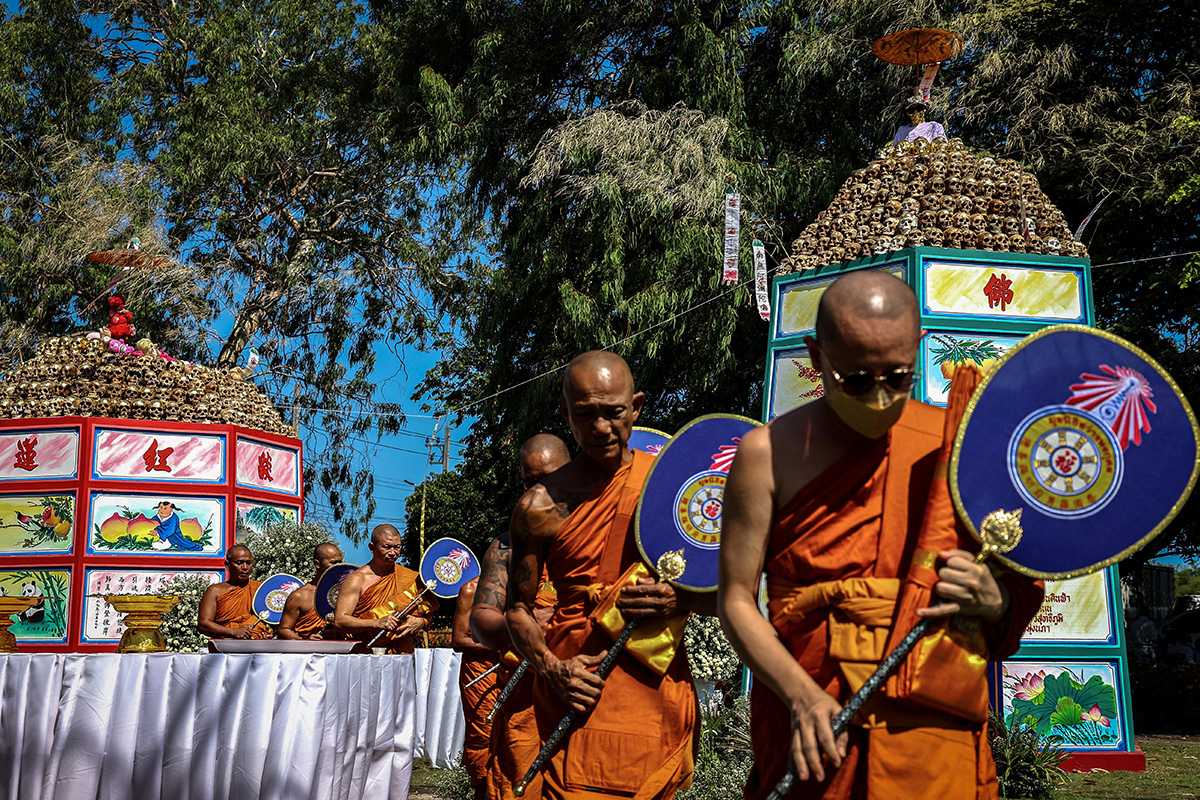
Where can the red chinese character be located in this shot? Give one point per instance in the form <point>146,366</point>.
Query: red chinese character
<point>26,453</point>
<point>264,467</point>
<point>998,291</point>
<point>156,459</point>
<point>1065,463</point>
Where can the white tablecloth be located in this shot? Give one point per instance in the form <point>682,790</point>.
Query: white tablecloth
<point>189,727</point>
<point>439,717</point>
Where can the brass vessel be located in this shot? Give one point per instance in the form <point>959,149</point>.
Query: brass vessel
<point>143,620</point>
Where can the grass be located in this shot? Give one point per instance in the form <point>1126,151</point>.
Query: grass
<point>1172,773</point>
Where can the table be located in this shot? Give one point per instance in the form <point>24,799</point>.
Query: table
<point>236,727</point>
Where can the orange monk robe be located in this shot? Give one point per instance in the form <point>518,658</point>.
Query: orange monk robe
<point>844,536</point>
<point>515,740</point>
<point>309,624</point>
<point>235,608</point>
<point>477,701</point>
<point>389,595</point>
<point>639,740</point>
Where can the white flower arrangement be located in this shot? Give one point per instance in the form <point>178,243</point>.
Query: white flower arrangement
<point>709,653</point>
<point>287,547</point>
<point>179,624</point>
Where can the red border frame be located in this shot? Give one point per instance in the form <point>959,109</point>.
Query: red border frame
<point>84,484</point>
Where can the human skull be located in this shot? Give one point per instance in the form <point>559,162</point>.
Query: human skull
<point>1052,245</point>
<point>953,184</point>
<point>984,241</point>
<point>934,237</point>
<point>915,238</point>
<point>910,205</point>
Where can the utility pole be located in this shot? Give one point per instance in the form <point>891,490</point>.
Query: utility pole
<point>446,450</point>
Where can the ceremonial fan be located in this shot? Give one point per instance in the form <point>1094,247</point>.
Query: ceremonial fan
<point>686,485</point>
<point>1076,450</point>
<point>446,565</point>
<point>328,586</point>
<point>647,440</point>
<point>272,596</point>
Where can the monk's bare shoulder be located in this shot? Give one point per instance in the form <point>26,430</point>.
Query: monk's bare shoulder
<point>217,589</point>
<point>536,516</point>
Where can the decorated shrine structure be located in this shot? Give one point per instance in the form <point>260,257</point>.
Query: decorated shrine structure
<point>119,472</point>
<point>948,221</point>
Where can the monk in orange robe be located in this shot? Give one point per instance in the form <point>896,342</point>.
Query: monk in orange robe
<point>514,741</point>
<point>373,597</point>
<point>636,736</point>
<point>300,619</point>
<point>477,688</point>
<point>227,608</point>
<point>830,499</point>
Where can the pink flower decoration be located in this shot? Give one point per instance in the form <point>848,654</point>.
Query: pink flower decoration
<point>1032,685</point>
<point>1093,715</point>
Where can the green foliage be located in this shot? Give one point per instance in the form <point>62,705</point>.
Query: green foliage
<point>454,784</point>
<point>725,756</point>
<point>459,504</point>
<point>287,547</point>
<point>179,624</point>
<point>1027,765</point>
<point>1187,581</point>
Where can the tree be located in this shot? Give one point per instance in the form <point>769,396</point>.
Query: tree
<point>1187,581</point>
<point>590,253</point>
<point>456,505</point>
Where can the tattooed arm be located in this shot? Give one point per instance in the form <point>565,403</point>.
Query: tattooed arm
<point>460,634</point>
<point>535,521</point>
<point>491,598</point>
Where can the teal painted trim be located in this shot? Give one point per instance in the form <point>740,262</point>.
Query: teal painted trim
<point>1073,266</point>
<point>1090,311</point>
<point>828,273</point>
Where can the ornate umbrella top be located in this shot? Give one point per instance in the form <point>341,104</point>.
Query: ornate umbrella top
<point>918,46</point>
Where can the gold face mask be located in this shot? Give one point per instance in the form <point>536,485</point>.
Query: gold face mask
<point>870,415</point>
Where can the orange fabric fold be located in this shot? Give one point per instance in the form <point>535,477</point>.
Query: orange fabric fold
<point>392,594</point>
<point>835,559</point>
<point>639,741</point>
<point>235,608</point>
<point>309,624</point>
<point>477,701</point>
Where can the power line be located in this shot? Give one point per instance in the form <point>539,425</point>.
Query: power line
<point>1151,258</point>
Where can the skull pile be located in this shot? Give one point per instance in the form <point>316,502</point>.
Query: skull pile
<point>935,194</point>
<point>77,377</point>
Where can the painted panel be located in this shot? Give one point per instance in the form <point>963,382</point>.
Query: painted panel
<point>1075,611</point>
<point>940,351</point>
<point>45,622</point>
<point>101,622</point>
<point>794,382</point>
<point>157,456</point>
<point>34,454</point>
<point>264,466</point>
<point>797,301</point>
<point>37,523</point>
<point>1003,290</point>
<point>1078,701</point>
<point>255,517</point>
<point>169,525</point>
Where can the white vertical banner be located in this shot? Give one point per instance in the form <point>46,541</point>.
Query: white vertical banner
<point>761,296</point>
<point>733,223</point>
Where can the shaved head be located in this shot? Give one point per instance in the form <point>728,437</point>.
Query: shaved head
<point>864,298</point>
<point>541,455</point>
<point>238,548</point>
<point>383,531</point>
<point>545,444</point>
<point>600,363</point>
<point>600,405</point>
<point>326,550</point>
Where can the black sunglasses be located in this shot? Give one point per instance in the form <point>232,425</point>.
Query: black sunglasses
<point>856,384</point>
<point>530,482</point>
